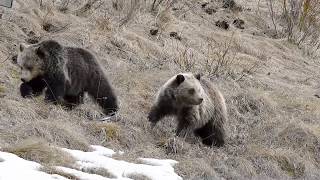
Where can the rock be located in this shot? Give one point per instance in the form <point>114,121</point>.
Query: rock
<point>210,10</point>
<point>154,32</point>
<point>175,35</point>
<point>222,24</point>
<point>14,59</point>
<point>203,5</point>
<point>229,4</point>
<point>238,23</point>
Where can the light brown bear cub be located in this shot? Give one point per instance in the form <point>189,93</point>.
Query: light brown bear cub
<point>197,105</point>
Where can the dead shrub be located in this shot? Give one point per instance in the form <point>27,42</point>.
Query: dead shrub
<point>221,57</point>
<point>302,22</point>
<point>185,59</point>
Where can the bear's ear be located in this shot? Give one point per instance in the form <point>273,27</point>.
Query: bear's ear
<point>198,76</point>
<point>22,46</point>
<point>180,78</point>
<point>40,53</point>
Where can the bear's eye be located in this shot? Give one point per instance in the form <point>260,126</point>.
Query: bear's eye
<point>191,91</point>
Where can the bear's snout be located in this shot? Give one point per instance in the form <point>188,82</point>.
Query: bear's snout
<point>200,100</point>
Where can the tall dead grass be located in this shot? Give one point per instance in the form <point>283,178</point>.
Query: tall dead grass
<point>301,22</point>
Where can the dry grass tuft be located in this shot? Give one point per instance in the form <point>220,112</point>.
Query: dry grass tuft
<point>174,145</point>
<point>38,150</point>
<point>99,171</point>
<point>196,169</point>
<point>292,168</point>
<point>138,177</point>
<point>2,91</point>
<point>109,131</point>
<point>52,170</point>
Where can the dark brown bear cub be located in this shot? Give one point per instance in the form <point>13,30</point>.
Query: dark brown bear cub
<point>66,73</point>
<point>197,105</point>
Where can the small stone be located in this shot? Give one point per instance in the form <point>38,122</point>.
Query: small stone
<point>175,35</point>
<point>204,4</point>
<point>154,32</point>
<point>222,24</point>
<point>229,4</point>
<point>238,23</point>
<point>210,11</point>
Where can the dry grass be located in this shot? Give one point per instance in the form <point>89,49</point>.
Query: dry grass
<point>109,131</point>
<point>269,85</point>
<point>51,170</point>
<point>298,21</point>
<point>40,151</point>
<point>99,171</point>
<point>138,177</point>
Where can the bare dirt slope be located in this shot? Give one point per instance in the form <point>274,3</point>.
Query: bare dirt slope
<point>269,83</point>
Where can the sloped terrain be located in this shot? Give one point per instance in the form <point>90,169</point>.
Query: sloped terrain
<point>271,85</point>
<point>94,165</point>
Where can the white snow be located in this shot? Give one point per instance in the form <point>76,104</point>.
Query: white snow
<point>13,167</point>
<point>154,169</point>
<point>158,162</point>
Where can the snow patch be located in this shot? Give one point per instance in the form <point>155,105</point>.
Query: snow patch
<point>15,168</point>
<point>154,169</point>
<point>100,157</point>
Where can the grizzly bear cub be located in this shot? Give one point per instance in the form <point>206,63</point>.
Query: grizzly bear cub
<point>197,105</point>
<point>66,73</point>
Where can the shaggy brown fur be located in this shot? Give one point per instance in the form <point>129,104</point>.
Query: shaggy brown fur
<point>197,104</point>
<point>67,72</point>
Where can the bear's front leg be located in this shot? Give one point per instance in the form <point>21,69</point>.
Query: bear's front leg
<point>26,90</point>
<point>55,90</point>
<point>183,127</point>
<point>33,87</point>
<point>154,115</point>
<point>185,120</point>
<point>158,111</point>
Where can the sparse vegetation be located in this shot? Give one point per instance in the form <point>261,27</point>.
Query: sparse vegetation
<point>110,131</point>
<point>99,171</point>
<point>220,58</point>
<point>40,151</point>
<point>185,60</point>
<point>268,72</point>
<point>138,177</point>
<point>51,170</point>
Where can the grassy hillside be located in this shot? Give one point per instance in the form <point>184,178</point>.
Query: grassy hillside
<point>266,63</point>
